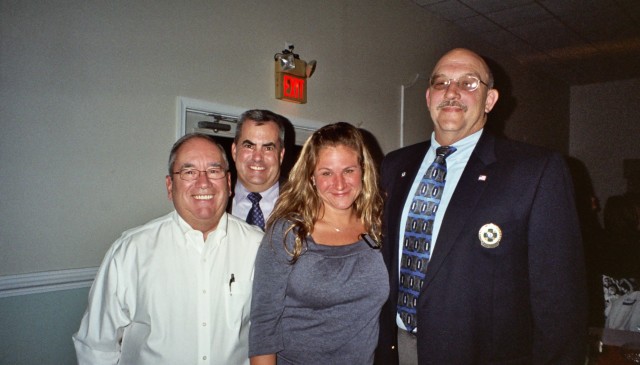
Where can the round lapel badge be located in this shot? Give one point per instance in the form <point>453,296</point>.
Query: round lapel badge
<point>490,235</point>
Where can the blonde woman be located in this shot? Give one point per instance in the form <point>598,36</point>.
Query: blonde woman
<point>320,280</point>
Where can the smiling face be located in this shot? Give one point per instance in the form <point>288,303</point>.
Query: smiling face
<point>200,202</point>
<point>258,155</point>
<point>458,113</point>
<point>338,177</point>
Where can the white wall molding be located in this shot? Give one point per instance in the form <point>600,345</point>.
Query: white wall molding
<point>303,127</point>
<point>42,282</point>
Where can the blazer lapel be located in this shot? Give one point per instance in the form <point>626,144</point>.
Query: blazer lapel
<point>463,203</point>
<point>402,174</point>
<point>406,174</point>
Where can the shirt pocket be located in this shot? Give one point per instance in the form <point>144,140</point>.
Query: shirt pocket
<point>238,303</point>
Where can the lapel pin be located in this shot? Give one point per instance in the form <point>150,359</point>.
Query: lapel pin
<point>482,178</point>
<point>490,235</point>
<point>403,173</point>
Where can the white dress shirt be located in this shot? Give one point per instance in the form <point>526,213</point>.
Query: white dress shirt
<point>456,162</point>
<point>241,205</point>
<point>164,295</point>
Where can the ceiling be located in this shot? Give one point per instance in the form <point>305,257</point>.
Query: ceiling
<point>578,41</point>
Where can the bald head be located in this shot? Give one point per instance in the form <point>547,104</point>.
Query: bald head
<point>466,56</point>
<point>458,112</point>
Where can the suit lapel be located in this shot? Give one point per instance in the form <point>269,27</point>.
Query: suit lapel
<point>406,174</point>
<point>403,173</point>
<point>463,203</point>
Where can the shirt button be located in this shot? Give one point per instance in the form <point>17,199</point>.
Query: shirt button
<point>204,324</point>
<point>204,291</point>
<point>204,358</point>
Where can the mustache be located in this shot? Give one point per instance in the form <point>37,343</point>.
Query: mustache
<point>448,103</point>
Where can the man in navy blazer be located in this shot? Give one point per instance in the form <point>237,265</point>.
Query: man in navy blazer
<point>505,283</point>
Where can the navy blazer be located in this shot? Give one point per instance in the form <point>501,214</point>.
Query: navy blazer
<point>522,302</point>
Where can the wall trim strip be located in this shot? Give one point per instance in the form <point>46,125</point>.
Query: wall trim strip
<point>43,282</point>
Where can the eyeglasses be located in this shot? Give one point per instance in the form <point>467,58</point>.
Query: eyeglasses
<point>466,82</point>
<point>213,173</point>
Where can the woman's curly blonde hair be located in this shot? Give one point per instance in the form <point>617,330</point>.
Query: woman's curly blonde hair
<point>299,202</point>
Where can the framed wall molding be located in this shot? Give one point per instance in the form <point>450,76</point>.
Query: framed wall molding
<point>189,111</point>
<point>415,123</point>
<point>48,281</point>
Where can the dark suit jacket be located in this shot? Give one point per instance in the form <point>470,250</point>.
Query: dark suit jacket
<point>522,302</point>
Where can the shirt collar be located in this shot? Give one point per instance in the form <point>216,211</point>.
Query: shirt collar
<point>270,194</point>
<point>464,147</point>
<point>219,232</point>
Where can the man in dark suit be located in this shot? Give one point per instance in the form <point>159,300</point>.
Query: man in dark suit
<point>504,280</point>
<point>257,150</point>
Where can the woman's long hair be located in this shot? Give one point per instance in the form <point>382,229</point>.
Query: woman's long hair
<point>299,203</point>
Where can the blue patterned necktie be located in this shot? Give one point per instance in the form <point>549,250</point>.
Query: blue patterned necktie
<point>255,216</point>
<point>416,246</point>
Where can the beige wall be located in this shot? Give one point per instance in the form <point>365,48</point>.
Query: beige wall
<point>89,89</point>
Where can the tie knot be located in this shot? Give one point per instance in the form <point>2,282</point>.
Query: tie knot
<point>445,151</point>
<point>254,197</point>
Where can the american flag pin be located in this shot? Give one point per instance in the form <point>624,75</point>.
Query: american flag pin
<point>482,178</point>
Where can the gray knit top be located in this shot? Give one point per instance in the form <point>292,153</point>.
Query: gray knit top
<point>321,310</point>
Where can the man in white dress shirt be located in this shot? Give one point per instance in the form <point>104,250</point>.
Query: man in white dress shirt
<point>258,150</point>
<point>177,290</point>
